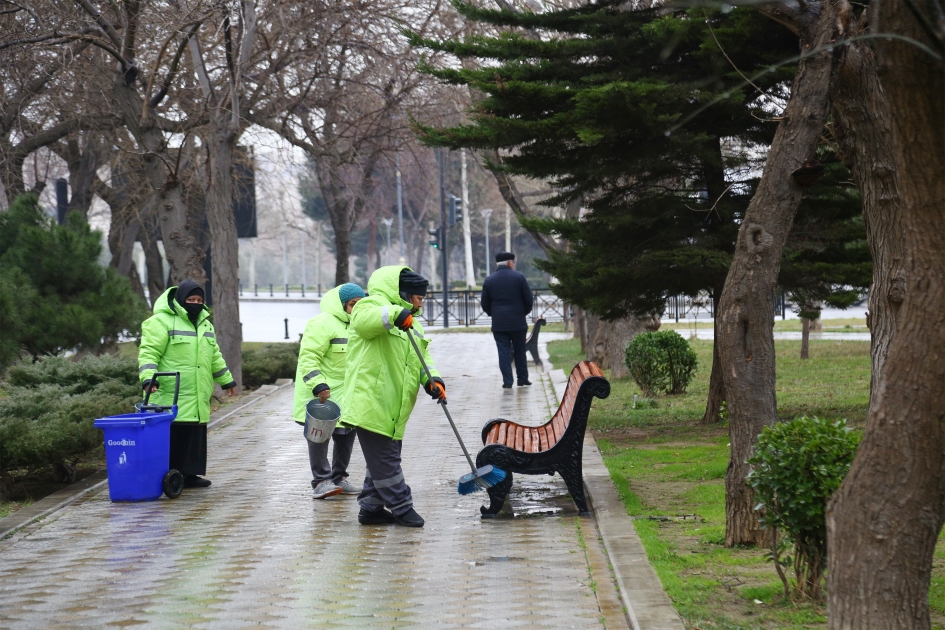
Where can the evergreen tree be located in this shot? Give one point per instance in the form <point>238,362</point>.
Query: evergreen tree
<point>54,295</point>
<point>641,115</point>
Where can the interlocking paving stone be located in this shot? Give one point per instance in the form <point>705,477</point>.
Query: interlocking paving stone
<point>255,550</point>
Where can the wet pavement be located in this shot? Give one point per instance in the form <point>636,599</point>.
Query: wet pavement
<point>256,550</point>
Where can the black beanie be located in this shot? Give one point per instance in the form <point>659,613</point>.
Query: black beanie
<point>413,283</point>
<point>503,256</point>
<point>187,288</point>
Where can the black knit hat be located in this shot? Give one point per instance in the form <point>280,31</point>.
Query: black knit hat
<point>412,283</point>
<point>187,288</point>
<point>503,256</point>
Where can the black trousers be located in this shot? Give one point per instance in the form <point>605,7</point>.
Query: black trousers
<point>384,485</point>
<point>189,447</point>
<point>340,458</point>
<point>509,343</point>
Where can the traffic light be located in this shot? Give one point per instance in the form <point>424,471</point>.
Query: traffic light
<point>436,241</point>
<point>456,210</point>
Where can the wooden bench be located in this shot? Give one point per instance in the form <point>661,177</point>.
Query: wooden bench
<point>554,447</point>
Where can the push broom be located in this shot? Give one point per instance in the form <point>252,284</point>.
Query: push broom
<point>480,478</point>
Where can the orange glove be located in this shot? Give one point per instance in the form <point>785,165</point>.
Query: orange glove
<point>436,388</point>
<point>404,321</point>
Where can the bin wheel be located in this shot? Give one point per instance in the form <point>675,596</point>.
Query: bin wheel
<point>173,484</point>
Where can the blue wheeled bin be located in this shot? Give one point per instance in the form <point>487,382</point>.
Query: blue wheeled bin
<point>138,448</point>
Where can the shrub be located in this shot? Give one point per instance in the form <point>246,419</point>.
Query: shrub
<point>661,362</point>
<point>54,295</point>
<point>266,363</point>
<point>48,416</point>
<point>796,468</point>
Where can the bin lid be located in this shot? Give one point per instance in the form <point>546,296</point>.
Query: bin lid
<point>128,420</point>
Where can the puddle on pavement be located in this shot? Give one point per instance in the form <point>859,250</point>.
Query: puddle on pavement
<point>534,496</point>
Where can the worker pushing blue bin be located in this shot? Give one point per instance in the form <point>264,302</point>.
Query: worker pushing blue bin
<point>138,450</point>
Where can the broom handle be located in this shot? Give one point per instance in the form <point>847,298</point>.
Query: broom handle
<point>442,402</point>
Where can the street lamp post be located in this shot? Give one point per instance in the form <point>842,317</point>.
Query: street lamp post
<point>486,213</point>
<point>388,221</point>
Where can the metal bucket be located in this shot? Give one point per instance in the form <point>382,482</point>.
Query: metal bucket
<point>320,420</point>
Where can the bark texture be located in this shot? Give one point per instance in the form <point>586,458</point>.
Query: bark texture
<point>224,245</point>
<point>607,341</point>
<point>745,325</point>
<point>863,128</point>
<point>805,338</point>
<point>885,519</point>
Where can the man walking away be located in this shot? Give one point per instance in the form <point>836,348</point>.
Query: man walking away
<point>507,298</point>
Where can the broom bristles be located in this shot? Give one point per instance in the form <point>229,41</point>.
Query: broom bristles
<point>474,483</point>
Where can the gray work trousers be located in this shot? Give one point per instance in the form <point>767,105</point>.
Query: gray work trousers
<point>384,485</point>
<point>340,457</point>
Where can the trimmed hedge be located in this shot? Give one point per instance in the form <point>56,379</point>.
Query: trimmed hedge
<point>263,365</point>
<point>47,417</point>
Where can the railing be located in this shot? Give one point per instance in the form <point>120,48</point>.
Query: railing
<point>702,306</point>
<point>464,308</point>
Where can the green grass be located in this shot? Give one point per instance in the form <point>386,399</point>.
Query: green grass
<point>667,466</point>
<point>848,324</point>
<point>679,465</point>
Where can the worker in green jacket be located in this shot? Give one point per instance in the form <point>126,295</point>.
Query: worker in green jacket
<point>321,374</point>
<point>180,338</point>
<point>381,383</point>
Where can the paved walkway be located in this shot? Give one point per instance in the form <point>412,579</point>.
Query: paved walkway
<point>256,550</point>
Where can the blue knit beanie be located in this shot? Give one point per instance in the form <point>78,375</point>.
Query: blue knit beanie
<point>350,291</point>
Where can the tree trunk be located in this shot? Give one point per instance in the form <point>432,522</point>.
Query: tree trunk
<point>745,325</point>
<point>805,338</point>
<point>864,131</point>
<point>884,521</point>
<point>607,344</point>
<point>154,264</point>
<point>224,245</point>
<point>716,397</point>
<point>372,251</point>
<point>342,250</point>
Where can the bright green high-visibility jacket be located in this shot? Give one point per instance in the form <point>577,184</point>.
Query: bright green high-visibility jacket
<point>322,354</point>
<point>171,343</point>
<point>383,373</point>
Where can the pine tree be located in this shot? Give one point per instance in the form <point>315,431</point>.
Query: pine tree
<point>641,115</point>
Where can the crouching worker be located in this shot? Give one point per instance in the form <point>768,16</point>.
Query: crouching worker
<point>382,380</point>
<point>180,338</point>
<point>321,374</point>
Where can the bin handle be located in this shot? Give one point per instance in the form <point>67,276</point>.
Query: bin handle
<point>146,407</point>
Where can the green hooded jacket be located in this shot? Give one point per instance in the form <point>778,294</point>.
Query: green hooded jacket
<point>383,373</point>
<point>322,354</point>
<point>171,343</point>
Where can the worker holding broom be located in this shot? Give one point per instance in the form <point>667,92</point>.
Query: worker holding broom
<point>321,374</point>
<point>382,379</point>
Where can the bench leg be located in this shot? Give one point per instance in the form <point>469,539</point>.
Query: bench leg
<point>575,482</point>
<point>535,357</point>
<point>497,456</point>
<point>497,496</point>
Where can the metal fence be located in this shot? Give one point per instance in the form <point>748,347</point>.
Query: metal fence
<point>464,308</point>
<point>702,306</point>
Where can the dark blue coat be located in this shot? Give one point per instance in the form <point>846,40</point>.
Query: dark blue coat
<point>507,297</point>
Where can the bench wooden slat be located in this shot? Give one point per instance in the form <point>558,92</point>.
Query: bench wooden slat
<point>542,439</point>
<point>493,434</point>
<point>527,440</point>
<point>519,439</point>
<point>500,437</point>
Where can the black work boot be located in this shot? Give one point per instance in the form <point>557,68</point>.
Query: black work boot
<point>193,481</point>
<point>375,517</point>
<point>409,518</point>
